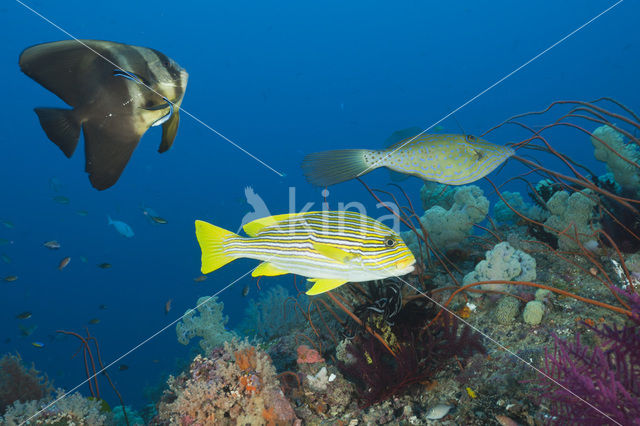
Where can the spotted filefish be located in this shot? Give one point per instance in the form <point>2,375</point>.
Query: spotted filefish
<point>451,159</point>
<point>328,247</point>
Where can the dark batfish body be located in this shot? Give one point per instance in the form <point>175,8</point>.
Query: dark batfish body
<point>110,102</point>
<point>451,159</point>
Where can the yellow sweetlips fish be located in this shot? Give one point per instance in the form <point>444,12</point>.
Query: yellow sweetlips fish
<point>451,159</point>
<point>331,248</point>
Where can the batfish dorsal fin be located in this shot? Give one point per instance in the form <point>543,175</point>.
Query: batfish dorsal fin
<point>169,130</point>
<point>107,151</point>
<point>62,67</point>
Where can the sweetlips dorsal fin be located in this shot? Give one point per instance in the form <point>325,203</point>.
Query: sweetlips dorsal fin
<point>254,227</point>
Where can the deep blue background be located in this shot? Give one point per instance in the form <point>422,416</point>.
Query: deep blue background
<point>281,79</point>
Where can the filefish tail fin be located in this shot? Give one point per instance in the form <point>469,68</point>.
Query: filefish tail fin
<point>331,167</point>
<point>212,241</point>
<point>61,127</point>
<point>109,220</point>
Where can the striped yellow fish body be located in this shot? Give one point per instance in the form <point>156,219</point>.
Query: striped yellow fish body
<point>330,248</point>
<point>451,159</point>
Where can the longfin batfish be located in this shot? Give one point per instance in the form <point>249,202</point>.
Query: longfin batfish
<point>117,92</point>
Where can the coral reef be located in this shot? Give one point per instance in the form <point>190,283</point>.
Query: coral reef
<point>448,227</point>
<point>206,321</point>
<point>74,409</point>
<point>502,263</point>
<point>234,384</point>
<point>533,312</point>
<point>270,316</point>
<point>598,385</point>
<point>420,352</point>
<point>572,215</point>
<point>506,310</point>
<point>19,383</point>
<point>619,156</point>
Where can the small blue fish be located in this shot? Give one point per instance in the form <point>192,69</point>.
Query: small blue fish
<point>122,228</point>
<point>38,344</point>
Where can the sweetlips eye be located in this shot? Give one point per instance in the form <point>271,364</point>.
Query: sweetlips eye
<point>390,242</point>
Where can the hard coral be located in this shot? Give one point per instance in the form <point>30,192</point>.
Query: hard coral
<point>19,383</point>
<point>235,385</point>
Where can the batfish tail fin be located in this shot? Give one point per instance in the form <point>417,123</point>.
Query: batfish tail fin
<point>331,167</point>
<point>62,128</point>
<point>212,243</point>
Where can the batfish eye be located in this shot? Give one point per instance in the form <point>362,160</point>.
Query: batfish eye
<point>390,242</point>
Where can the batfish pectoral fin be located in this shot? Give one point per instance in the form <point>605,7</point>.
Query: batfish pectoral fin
<point>333,252</point>
<point>267,269</point>
<point>61,126</point>
<point>108,148</point>
<point>322,285</point>
<point>169,131</point>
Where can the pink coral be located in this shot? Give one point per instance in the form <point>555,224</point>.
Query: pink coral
<point>306,355</point>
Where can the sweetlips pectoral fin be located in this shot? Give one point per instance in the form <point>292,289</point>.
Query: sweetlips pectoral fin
<point>267,269</point>
<point>61,126</point>
<point>333,252</point>
<point>108,149</point>
<point>169,131</point>
<point>322,285</point>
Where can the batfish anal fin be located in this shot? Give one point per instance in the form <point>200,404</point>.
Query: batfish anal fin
<point>322,285</point>
<point>267,269</point>
<point>61,127</point>
<point>108,149</point>
<point>169,130</point>
<point>333,252</point>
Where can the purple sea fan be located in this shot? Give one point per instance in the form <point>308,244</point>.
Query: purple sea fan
<point>606,379</point>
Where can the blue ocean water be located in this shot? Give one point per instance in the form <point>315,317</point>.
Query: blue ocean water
<point>281,80</point>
